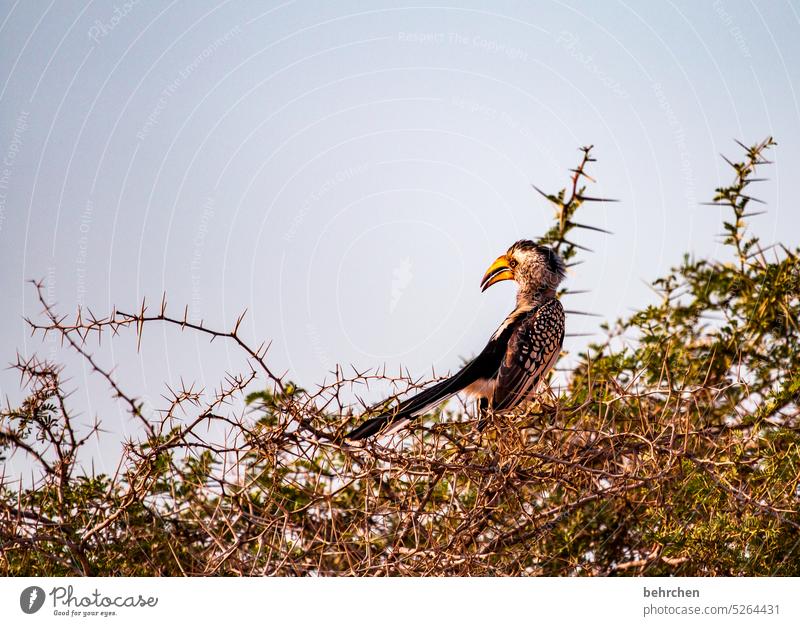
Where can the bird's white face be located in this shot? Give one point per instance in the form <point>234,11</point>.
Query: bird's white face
<point>531,266</point>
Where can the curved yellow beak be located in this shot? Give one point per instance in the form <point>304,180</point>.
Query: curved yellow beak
<point>499,270</point>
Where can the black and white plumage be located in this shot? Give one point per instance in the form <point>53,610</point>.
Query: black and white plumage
<point>519,354</point>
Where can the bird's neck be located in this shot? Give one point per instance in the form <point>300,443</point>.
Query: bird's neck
<point>534,296</point>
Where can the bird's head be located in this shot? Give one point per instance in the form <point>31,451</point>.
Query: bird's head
<point>535,268</point>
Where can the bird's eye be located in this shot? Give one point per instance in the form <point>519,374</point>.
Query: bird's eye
<point>513,263</point>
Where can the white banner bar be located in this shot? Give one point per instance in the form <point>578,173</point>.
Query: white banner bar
<point>406,601</point>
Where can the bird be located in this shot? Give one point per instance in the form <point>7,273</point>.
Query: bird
<point>518,355</point>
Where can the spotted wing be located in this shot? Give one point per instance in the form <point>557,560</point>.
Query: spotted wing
<point>533,349</point>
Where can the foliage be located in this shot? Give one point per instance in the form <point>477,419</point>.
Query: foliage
<point>672,450</point>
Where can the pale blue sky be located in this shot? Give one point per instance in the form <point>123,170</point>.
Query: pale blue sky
<point>347,170</point>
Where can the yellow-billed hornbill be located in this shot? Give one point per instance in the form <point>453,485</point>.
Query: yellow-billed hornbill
<point>519,354</point>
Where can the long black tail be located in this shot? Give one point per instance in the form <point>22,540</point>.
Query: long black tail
<point>373,426</point>
<point>409,409</point>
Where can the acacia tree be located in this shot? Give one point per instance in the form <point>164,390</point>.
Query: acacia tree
<point>673,448</point>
